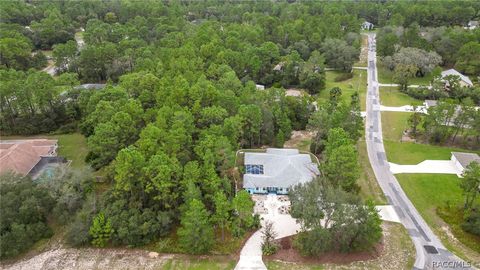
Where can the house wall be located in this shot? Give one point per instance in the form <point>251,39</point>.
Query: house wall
<point>457,164</point>
<point>280,191</point>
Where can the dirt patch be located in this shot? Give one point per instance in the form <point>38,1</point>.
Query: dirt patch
<point>298,139</point>
<point>294,92</point>
<point>91,258</point>
<point>288,253</point>
<point>395,251</point>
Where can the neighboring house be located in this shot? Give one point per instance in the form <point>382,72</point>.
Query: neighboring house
<point>27,157</point>
<point>472,25</point>
<point>277,170</point>
<point>430,103</point>
<point>462,160</point>
<point>91,86</point>
<point>367,26</point>
<point>294,93</point>
<point>279,66</point>
<point>260,87</point>
<point>464,80</point>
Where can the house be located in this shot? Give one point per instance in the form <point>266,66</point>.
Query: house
<point>464,80</point>
<point>428,103</point>
<point>472,25</point>
<point>91,86</point>
<point>367,26</point>
<point>27,157</point>
<point>277,170</point>
<point>279,66</point>
<point>462,160</point>
<point>260,87</point>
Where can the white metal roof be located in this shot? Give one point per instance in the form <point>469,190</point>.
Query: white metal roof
<point>456,73</point>
<point>282,168</point>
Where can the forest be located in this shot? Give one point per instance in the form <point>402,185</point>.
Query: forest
<point>182,96</point>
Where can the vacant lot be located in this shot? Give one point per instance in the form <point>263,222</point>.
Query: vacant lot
<point>391,96</point>
<point>350,86</point>
<point>414,153</point>
<point>386,76</point>
<point>436,195</point>
<point>398,253</point>
<point>393,125</point>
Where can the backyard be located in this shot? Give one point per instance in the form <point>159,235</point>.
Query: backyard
<point>71,146</point>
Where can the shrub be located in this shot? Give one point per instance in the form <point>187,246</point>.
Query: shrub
<point>343,77</point>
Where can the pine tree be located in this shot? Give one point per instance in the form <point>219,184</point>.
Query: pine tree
<point>196,233</point>
<point>101,230</point>
<point>221,217</point>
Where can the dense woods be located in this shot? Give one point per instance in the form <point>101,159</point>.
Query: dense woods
<point>182,96</point>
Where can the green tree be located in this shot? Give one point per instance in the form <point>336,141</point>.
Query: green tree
<point>101,230</point>
<point>402,74</point>
<point>469,58</point>
<point>414,120</point>
<point>221,216</point>
<point>470,183</point>
<point>196,233</point>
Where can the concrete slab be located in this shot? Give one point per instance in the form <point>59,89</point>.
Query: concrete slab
<point>388,213</point>
<point>426,166</point>
<point>406,108</point>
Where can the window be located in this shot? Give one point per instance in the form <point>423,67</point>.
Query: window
<point>254,169</point>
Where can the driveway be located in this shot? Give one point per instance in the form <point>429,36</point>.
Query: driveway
<point>271,208</point>
<point>406,108</point>
<point>427,166</point>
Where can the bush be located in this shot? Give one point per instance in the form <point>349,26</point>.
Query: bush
<point>314,242</point>
<point>472,222</point>
<point>343,77</point>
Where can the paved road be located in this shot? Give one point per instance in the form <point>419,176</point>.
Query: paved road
<point>430,253</point>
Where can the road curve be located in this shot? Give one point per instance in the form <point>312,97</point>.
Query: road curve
<point>430,252</point>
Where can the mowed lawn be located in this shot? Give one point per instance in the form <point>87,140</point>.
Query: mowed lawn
<point>391,96</point>
<point>436,195</point>
<point>393,125</point>
<point>414,153</point>
<point>357,83</point>
<point>71,146</point>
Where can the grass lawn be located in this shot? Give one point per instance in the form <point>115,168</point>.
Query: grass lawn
<point>414,153</point>
<point>357,83</point>
<point>47,53</point>
<point>198,264</point>
<point>71,146</point>
<point>385,76</point>
<point>391,96</point>
<point>433,192</point>
<point>393,125</point>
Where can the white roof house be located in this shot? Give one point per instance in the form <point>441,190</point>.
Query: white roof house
<point>462,160</point>
<point>464,80</point>
<point>472,25</point>
<point>260,87</point>
<point>430,103</point>
<point>367,25</point>
<point>277,168</point>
